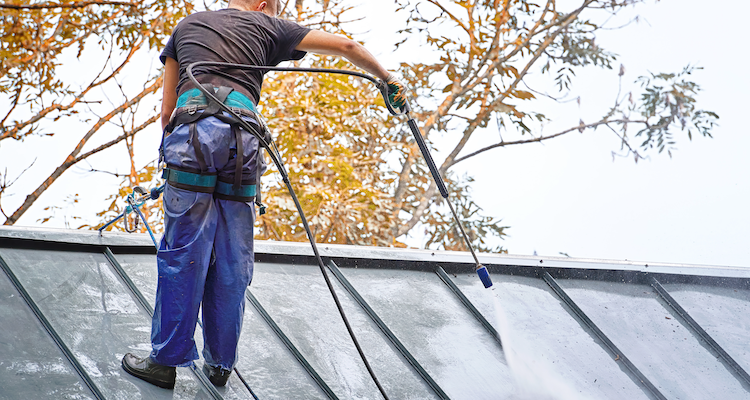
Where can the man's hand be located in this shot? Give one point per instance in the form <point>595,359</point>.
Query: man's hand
<point>396,92</point>
<point>320,42</point>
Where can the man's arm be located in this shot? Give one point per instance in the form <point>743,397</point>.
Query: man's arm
<point>169,94</point>
<point>320,42</point>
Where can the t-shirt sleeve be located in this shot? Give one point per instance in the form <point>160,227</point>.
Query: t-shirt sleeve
<point>289,36</point>
<point>169,51</point>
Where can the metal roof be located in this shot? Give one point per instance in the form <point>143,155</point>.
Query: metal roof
<point>73,302</point>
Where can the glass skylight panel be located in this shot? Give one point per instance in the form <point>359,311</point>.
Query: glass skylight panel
<point>457,352</point>
<point>665,351</point>
<point>31,365</point>
<point>300,303</point>
<point>96,317</point>
<point>722,312</point>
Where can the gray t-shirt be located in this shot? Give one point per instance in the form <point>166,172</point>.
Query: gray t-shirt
<point>232,36</point>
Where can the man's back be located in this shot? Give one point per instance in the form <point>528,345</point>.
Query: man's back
<point>233,36</point>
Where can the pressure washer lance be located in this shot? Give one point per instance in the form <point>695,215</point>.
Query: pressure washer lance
<point>481,270</point>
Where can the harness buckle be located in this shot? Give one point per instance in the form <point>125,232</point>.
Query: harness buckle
<point>236,110</point>
<point>192,109</point>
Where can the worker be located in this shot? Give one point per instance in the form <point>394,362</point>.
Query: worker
<point>206,254</point>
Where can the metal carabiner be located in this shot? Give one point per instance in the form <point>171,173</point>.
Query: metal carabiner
<point>131,206</point>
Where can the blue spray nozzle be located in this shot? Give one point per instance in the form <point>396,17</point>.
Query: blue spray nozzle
<point>484,276</point>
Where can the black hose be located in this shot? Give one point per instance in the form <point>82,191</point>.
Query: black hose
<point>276,158</point>
<point>382,86</point>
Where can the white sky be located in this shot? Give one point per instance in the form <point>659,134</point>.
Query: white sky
<point>566,195</point>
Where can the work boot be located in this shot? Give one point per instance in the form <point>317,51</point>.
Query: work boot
<point>217,375</point>
<point>151,372</point>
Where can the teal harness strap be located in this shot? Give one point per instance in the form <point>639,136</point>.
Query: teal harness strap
<point>194,97</point>
<point>209,184</point>
<point>227,189</point>
<point>190,181</point>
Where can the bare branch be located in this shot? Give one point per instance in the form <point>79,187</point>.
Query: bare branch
<point>95,170</point>
<point>72,158</point>
<point>452,17</point>
<point>120,138</point>
<point>547,95</point>
<point>543,138</point>
<point>625,143</point>
<point>5,184</point>
<point>417,214</point>
<point>16,97</point>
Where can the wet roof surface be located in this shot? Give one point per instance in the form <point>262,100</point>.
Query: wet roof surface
<point>73,303</point>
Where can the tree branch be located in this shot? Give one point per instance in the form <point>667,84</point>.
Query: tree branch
<point>78,4</point>
<point>450,15</point>
<point>543,138</point>
<point>445,106</point>
<point>13,132</point>
<point>417,214</point>
<point>460,145</point>
<point>534,31</point>
<point>16,97</point>
<point>487,109</point>
<point>44,47</point>
<point>72,158</point>
<point>5,185</point>
<point>548,41</point>
<point>120,138</point>
<point>494,49</point>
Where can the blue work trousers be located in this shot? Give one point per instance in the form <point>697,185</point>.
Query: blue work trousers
<point>206,254</point>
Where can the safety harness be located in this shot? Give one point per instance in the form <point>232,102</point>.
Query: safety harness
<point>192,106</point>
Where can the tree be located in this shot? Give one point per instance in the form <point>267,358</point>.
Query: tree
<point>358,172</point>
<point>34,38</point>
<point>485,51</point>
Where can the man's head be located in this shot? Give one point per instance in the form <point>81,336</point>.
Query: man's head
<point>268,7</point>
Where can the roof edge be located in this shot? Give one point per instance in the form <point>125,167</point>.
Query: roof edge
<point>299,249</point>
